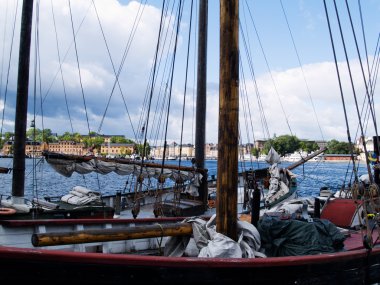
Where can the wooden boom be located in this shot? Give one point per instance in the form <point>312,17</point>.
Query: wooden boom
<point>304,159</point>
<point>103,235</point>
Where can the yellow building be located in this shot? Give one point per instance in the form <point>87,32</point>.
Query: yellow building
<point>32,149</point>
<point>67,147</point>
<point>117,149</point>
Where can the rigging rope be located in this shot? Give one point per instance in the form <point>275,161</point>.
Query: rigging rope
<point>9,67</point>
<point>155,130</point>
<point>179,16</point>
<point>3,51</point>
<point>302,71</point>
<point>184,92</point>
<point>117,74</point>
<point>60,66</point>
<point>66,54</point>
<point>340,85</point>
<point>270,72</point>
<point>79,72</point>
<point>355,97</point>
<point>370,103</point>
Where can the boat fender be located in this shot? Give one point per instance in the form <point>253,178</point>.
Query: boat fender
<point>7,211</point>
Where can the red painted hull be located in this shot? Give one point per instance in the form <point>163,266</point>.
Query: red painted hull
<point>353,266</point>
<point>357,267</point>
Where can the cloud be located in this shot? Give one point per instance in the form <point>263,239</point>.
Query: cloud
<point>307,102</point>
<point>119,110</point>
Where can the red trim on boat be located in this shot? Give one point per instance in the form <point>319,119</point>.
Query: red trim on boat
<point>181,262</point>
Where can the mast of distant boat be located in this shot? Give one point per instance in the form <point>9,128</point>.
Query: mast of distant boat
<point>227,179</point>
<point>18,179</point>
<point>200,125</point>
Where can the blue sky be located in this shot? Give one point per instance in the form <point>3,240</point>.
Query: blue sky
<point>300,94</point>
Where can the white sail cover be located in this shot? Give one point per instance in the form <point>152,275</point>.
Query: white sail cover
<point>277,188</point>
<point>272,157</point>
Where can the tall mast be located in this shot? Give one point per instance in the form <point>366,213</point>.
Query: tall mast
<point>18,179</point>
<point>227,180</point>
<point>200,124</point>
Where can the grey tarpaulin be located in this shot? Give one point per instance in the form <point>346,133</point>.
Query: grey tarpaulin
<point>298,237</point>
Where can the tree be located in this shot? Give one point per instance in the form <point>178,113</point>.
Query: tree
<point>38,135</point>
<point>66,137</point>
<point>140,149</point>
<point>121,140</point>
<point>283,144</point>
<point>255,151</point>
<point>7,137</point>
<point>336,147</point>
<point>309,146</point>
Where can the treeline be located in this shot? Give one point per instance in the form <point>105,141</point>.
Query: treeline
<point>288,144</point>
<point>282,144</point>
<point>93,140</point>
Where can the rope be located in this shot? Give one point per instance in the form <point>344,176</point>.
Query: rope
<point>270,73</point>
<point>9,67</point>
<point>60,67</point>
<point>363,74</point>
<point>126,50</point>
<point>302,71</point>
<point>340,83</point>
<point>161,239</point>
<point>80,77</point>
<point>184,92</point>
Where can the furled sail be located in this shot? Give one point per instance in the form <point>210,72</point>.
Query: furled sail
<point>68,164</point>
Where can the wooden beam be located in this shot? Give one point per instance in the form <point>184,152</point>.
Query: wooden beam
<point>104,235</point>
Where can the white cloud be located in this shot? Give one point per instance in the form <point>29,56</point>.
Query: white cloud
<point>98,78</point>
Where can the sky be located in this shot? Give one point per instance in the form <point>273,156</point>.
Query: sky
<point>287,68</point>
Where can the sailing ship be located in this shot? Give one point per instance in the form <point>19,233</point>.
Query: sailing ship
<point>16,206</point>
<point>214,250</point>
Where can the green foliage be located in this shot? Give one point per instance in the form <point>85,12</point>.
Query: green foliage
<point>283,144</point>
<point>309,146</point>
<point>140,147</point>
<point>121,140</point>
<point>255,151</point>
<point>7,137</point>
<point>76,137</point>
<point>93,142</point>
<point>336,147</point>
<point>38,135</point>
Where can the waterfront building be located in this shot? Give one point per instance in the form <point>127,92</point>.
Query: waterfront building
<point>67,147</point>
<point>116,149</point>
<point>32,149</point>
<point>173,150</point>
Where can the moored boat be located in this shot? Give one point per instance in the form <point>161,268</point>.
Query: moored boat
<point>195,250</point>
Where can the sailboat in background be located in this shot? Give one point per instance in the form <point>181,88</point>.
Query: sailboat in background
<point>213,250</point>
<point>16,206</point>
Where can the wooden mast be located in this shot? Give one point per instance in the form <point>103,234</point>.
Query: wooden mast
<point>200,125</point>
<point>227,180</point>
<point>18,179</point>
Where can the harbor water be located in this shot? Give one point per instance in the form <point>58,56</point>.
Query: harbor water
<point>45,181</point>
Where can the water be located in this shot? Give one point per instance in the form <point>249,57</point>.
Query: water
<point>311,176</point>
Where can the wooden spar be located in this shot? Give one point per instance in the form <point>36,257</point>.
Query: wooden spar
<point>78,158</point>
<point>200,122</point>
<point>304,159</point>
<point>228,139</point>
<point>104,235</point>
<point>18,178</point>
